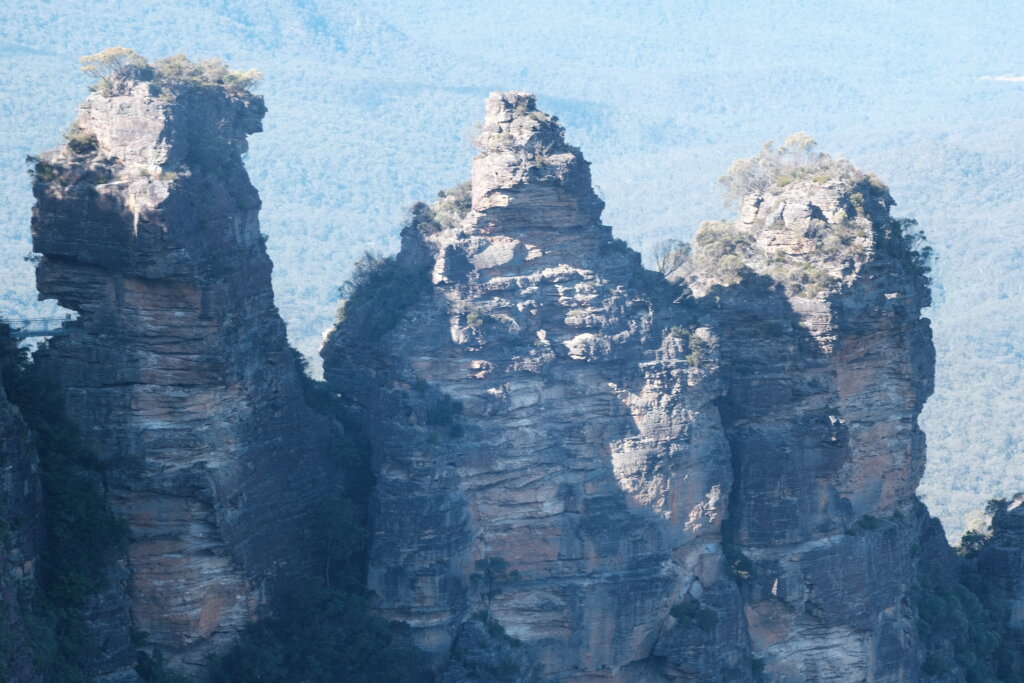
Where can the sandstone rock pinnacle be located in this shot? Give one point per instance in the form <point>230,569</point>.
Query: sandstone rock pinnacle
<point>178,371</point>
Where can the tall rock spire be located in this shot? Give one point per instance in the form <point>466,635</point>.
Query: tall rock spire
<point>178,370</point>
<point>817,295</point>
<point>525,174</point>
<point>548,451</point>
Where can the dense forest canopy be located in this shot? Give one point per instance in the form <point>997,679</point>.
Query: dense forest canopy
<point>372,105</point>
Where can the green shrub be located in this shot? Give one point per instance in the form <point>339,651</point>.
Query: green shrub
<point>378,292</point>
<point>81,142</point>
<point>118,62</point>
<point>693,615</point>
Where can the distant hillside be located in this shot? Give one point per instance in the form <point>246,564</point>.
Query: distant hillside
<point>372,105</point>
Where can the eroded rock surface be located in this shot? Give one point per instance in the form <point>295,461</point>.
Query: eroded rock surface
<point>708,476</point>
<point>817,292</point>
<point>178,371</point>
<point>534,404</point>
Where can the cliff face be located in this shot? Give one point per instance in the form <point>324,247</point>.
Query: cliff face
<point>178,371</point>
<point>817,294</point>
<point>21,531</point>
<point>531,406</point>
<point>639,482</point>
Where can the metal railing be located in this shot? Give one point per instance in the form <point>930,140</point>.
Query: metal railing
<point>37,327</point>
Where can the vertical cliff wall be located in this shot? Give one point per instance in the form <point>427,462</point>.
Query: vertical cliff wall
<point>708,476</point>
<point>548,451</point>
<point>178,371</point>
<point>21,534</point>
<point>817,294</point>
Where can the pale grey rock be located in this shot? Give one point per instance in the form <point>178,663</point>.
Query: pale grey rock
<point>178,371</point>
<point>584,449</point>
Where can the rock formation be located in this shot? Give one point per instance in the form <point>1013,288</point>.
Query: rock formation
<point>638,482</point>
<point>531,406</point>
<point>178,372</point>
<point>817,293</point>
<point>21,530</point>
<point>585,470</point>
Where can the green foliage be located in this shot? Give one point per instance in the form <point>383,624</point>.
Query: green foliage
<point>82,534</point>
<point>694,615</point>
<point>323,629</point>
<point>108,63</point>
<point>81,142</point>
<point>378,292</point>
<point>179,70</point>
<point>452,205</point>
<point>474,319</point>
<point>957,625</point>
<point>670,255</point>
<point>720,254</point>
<point>442,409</point>
<point>699,348</point>
<point>176,71</point>
<point>485,653</point>
<point>39,170</point>
<point>796,159</point>
<point>322,636</point>
<point>868,523</point>
<point>971,543</point>
<point>153,669</point>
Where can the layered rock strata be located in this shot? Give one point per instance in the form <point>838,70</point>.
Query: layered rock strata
<point>177,369</point>
<point>817,292</point>
<point>708,476</point>
<point>532,407</point>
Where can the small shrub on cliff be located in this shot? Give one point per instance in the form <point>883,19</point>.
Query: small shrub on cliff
<point>178,69</point>
<point>378,292</point>
<point>81,142</point>
<point>693,615</point>
<point>115,64</point>
<point>452,205</point>
<point>491,574</point>
<point>323,636</point>
<point>670,256</point>
<point>108,64</point>
<point>39,170</point>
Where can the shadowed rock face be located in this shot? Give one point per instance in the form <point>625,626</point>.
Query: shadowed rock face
<point>680,485</point>
<point>826,363</point>
<point>178,371</point>
<point>1000,566</point>
<point>21,511</point>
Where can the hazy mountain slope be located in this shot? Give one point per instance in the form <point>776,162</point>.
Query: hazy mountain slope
<point>372,104</point>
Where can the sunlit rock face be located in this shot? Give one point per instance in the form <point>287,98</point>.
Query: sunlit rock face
<point>534,402</point>
<point>178,371</point>
<point>705,476</point>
